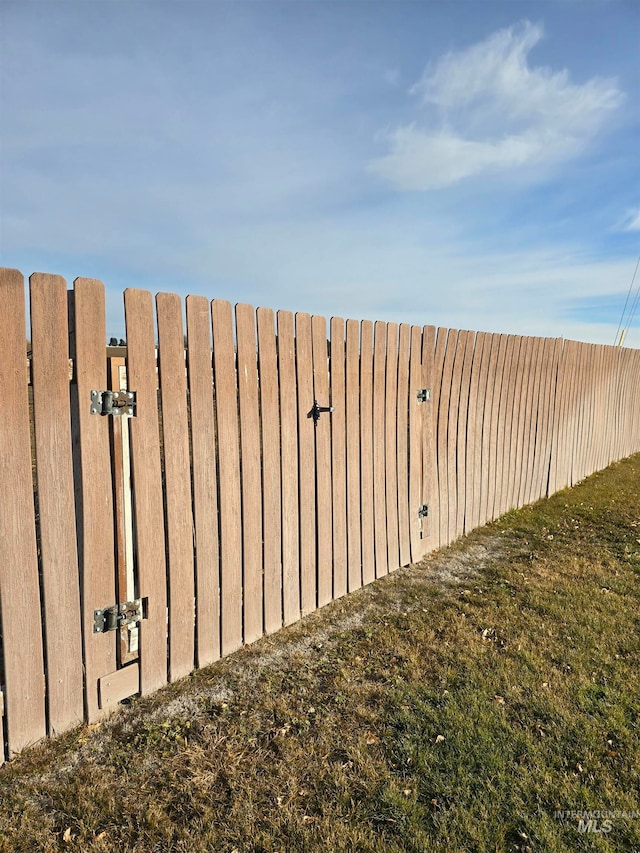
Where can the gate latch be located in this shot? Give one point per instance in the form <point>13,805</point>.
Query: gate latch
<point>423,511</point>
<point>424,395</point>
<point>317,410</point>
<point>117,616</point>
<point>117,403</point>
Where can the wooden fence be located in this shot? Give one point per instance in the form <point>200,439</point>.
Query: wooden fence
<point>229,504</point>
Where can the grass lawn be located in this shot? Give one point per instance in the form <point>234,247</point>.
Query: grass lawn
<point>461,704</point>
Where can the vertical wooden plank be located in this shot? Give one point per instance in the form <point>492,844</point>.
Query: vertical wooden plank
<point>271,492</point>
<point>496,379</point>
<point>58,545</point>
<point>205,480</point>
<point>505,423</point>
<point>307,464</point>
<point>379,503</point>
<point>94,501</point>
<point>529,484</point>
<point>415,444</point>
<point>366,450</point>
<point>291,567</point>
<point>404,527</point>
<point>250,464</point>
<point>480,409</point>
<point>487,382</point>
<point>550,405</point>
<point>518,418</point>
<point>224,371</point>
<point>569,415</point>
<point>463,433</point>
<point>391,450</point>
<point>511,424</point>
<point>594,363</point>
<point>538,421</point>
<point>338,457</point>
<point>352,406</point>
<point>438,366</point>
<point>177,473</point>
<point>452,436</point>
<point>554,417</point>
<point>429,476</point>
<point>443,436</point>
<point>19,592</point>
<point>473,434</point>
<point>322,430</point>
<point>147,488</point>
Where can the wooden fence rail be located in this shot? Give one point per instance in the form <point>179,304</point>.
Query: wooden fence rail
<point>274,462</point>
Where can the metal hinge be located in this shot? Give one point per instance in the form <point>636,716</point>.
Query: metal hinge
<point>424,394</point>
<point>118,403</point>
<point>423,511</point>
<point>117,616</point>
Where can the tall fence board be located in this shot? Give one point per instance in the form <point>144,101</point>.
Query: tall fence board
<point>147,487</point>
<point>205,481</point>
<point>271,491</point>
<point>58,554</point>
<point>266,511</point>
<point>177,491</point>
<point>250,466</point>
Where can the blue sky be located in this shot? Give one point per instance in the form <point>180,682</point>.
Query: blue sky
<point>471,164</point>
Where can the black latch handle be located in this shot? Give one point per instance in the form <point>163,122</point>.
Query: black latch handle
<point>317,410</point>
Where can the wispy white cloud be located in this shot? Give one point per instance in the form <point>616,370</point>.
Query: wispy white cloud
<point>487,111</point>
<point>631,221</point>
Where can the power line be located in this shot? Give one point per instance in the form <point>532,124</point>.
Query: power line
<point>634,306</point>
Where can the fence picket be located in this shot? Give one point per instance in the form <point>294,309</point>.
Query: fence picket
<point>402,431</point>
<point>428,436</point>
<point>379,502</point>
<point>224,370</point>
<point>177,473</point>
<point>271,492</point>
<point>415,444</point>
<point>289,468</point>
<point>58,544</point>
<point>452,436</point>
<point>391,448</point>
<point>147,487</point>
<point>465,428</point>
<point>250,464</point>
<point>366,450</point>
<point>307,464</point>
<point>205,480</point>
<point>322,435</point>
<point>338,457</point>
<point>352,411</point>
<point>23,674</point>
<point>438,370</point>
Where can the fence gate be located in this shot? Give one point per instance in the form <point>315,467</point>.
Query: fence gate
<point>363,461</point>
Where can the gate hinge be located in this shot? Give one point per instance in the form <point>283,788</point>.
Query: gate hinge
<point>118,616</point>
<point>424,394</point>
<point>423,511</point>
<point>118,403</point>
